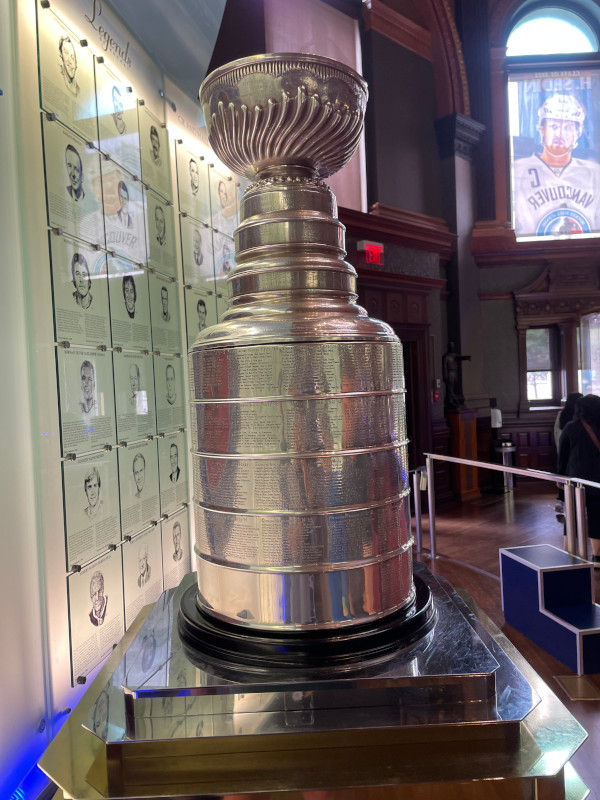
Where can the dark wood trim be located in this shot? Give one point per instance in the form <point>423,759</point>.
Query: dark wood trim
<point>442,470</point>
<point>569,357</point>
<point>352,8</point>
<point>396,226</point>
<point>484,296</point>
<point>449,72</point>
<point>380,18</point>
<point>458,135</point>
<point>494,244</point>
<point>399,281</point>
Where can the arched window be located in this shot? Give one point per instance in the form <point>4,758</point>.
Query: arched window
<point>551,31</point>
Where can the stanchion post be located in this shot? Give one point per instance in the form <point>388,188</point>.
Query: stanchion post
<point>431,502</point>
<point>417,504</point>
<point>581,521</point>
<point>570,519</point>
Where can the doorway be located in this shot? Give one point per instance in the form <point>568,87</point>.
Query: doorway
<point>418,396</point>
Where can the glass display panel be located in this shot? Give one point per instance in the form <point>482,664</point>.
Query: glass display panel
<point>193,185</point>
<point>154,145</point>
<point>200,313</point>
<point>73,184</point>
<point>170,400</point>
<point>80,290</point>
<point>95,612</point>
<point>175,534</point>
<point>67,77</point>
<point>223,201</point>
<point>138,486</point>
<point>134,396</point>
<point>164,309</point>
<point>224,257</point>
<point>123,213</point>
<point>172,469</point>
<point>142,572</point>
<point>160,232</point>
<point>91,497</point>
<point>129,305</point>
<point>117,120</point>
<point>197,254</point>
<point>87,410</point>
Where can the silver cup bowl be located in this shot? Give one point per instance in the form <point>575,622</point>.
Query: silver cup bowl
<point>298,415</point>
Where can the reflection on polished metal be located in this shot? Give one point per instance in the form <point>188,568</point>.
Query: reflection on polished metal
<point>298,416</point>
<point>458,715</point>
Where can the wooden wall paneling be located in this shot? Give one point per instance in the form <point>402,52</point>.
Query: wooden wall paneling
<point>442,471</point>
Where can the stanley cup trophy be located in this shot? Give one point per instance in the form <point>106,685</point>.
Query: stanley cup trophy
<point>308,654</point>
<point>298,416</point>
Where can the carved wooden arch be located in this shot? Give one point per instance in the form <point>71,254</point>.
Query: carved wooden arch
<point>450,74</point>
<point>502,11</point>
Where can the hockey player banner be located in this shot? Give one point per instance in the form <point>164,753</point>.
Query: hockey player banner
<point>555,153</point>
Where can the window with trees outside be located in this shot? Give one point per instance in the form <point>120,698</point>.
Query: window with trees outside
<point>589,354</point>
<point>543,382</point>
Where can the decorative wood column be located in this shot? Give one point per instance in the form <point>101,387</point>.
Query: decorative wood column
<point>522,339</point>
<point>458,136</point>
<point>463,444</point>
<point>570,356</point>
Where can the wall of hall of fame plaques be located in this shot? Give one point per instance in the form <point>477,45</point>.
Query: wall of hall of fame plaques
<point>140,220</point>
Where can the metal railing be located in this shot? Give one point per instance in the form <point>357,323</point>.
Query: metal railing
<point>574,489</point>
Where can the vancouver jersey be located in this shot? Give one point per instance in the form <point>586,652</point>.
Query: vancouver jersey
<point>549,202</point>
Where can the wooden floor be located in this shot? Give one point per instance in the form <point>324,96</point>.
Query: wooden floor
<point>468,537</point>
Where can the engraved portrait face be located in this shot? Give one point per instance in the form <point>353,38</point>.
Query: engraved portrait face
<point>177,537</point>
<point>88,382</point>
<point>164,300</point>
<point>197,248</point>
<point>92,488</point>
<point>139,472</point>
<point>97,591</point>
<point>81,275</point>
<point>194,176</point>
<point>170,378</point>
<point>117,106</point>
<point>226,262</point>
<point>143,561</point>
<point>124,198</point>
<point>134,378</point>
<point>201,309</point>
<point>222,193</point>
<point>159,222</point>
<point>154,143</point>
<point>74,169</point>
<point>129,294</point>
<point>68,57</point>
<point>174,457</point>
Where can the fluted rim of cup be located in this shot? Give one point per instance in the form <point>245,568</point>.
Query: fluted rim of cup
<point>309,58</point>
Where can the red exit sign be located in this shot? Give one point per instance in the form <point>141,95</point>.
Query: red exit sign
<point>373,252</point>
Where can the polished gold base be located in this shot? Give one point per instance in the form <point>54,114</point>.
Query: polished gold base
<point>477,757</point>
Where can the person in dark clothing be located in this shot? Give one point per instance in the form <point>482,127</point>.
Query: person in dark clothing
<point>579,457</point>
<point>565,415</point>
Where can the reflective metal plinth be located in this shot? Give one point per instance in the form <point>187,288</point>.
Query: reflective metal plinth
<point>459,714</point>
